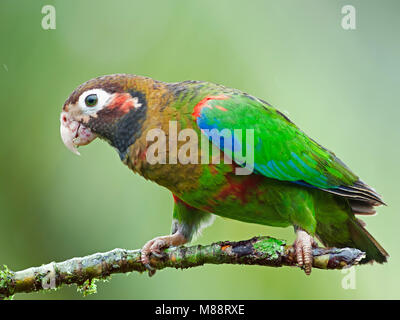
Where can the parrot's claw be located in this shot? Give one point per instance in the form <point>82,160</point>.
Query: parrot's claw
<point>151,270</point>
<point>303,245</point>
<point>149,267</point>
<point>154,248</point>
<point>158,255</point>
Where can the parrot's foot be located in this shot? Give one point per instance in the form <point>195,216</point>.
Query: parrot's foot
<point>154,247</point>
<point>303,245</point>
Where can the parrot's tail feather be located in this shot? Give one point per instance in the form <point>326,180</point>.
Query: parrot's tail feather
<point>362,207</point>
<point>364,241</point>
<point>359,192</point>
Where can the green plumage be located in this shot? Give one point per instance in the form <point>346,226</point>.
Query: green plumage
<point>306,185</point>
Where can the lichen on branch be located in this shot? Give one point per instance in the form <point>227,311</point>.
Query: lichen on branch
<point>84,271</point>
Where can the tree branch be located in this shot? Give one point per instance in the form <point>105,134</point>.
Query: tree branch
<point>264,251</point>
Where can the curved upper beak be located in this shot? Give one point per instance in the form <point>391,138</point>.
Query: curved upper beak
<point>74,134</point>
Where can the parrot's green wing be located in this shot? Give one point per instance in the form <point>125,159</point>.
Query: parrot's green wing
<point>281,150</point>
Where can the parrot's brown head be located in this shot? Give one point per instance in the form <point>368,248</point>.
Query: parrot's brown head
<point>109,107</point>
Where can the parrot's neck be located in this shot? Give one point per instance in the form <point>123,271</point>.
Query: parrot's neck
<point>164,114</point>
<point>128,123</point>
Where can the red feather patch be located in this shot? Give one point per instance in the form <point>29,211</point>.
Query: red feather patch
<point>204,103</point>
<point>124,102</point>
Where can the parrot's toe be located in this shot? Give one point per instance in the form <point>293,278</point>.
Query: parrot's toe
<point>155,246</point>
<point>152,247</point>
<point>303,245</point>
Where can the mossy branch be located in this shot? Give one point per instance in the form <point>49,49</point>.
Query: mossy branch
<point>263,251</point>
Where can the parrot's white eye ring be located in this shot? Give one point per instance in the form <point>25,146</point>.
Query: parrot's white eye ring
<point>93,100</point>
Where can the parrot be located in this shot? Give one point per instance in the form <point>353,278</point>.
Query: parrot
<point>287,178</point>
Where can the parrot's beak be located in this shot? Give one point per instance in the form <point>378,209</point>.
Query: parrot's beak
<point>74,134</point>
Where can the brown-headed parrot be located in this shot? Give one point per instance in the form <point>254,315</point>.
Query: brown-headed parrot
<point>271,173</point>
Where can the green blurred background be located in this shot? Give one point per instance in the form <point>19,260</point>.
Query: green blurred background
<point>341,87</point>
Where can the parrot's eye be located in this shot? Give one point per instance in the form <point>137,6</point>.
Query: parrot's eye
<point>91,100</point>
